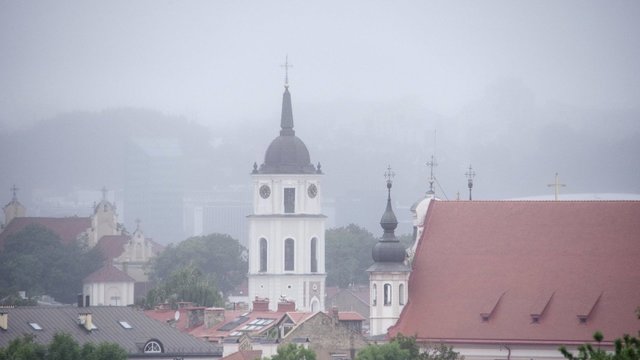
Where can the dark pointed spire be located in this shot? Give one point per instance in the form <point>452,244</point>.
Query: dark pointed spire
<point>388,249</point>
<point>286,119</point>
<point>389,222</point>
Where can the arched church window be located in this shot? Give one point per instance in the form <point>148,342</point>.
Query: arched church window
<point>401,294</point>
<point>314,255</point>
<point>374,295</point>
<point>289,257</point>
<point>387,294</point>
<point>138,251</point>
<point>263,255</point>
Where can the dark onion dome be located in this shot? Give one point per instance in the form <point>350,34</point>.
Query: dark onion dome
<point>287,154</point>
<point>388,248</point>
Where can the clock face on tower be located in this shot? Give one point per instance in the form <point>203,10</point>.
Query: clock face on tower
<point>265,191</point>
<point>312,191</point>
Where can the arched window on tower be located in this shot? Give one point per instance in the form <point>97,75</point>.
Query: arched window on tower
<point>401,294</point>
<point>289,257</point>
<point>263,255</point>
<point>387,294</point>
<point>314,255</point>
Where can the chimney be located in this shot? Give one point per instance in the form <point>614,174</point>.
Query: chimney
<point>87,301</point>
<point>85,320</point>
<point>286,305</point>
<point>261,304</point>
<point>79,300</point>
<point>213,317</point>
<point>4,320</point>
<point>195,317</point>
<point>335,314</point>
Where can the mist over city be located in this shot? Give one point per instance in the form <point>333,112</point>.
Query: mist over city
<point>520,91</point>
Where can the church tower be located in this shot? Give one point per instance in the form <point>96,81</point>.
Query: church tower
<point>104,220</point>
<point>389,274</point>
<point>286,228</point>
<point>14,208</point>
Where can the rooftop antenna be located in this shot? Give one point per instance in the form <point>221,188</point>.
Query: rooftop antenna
<point>470,174</point>
<point>286,67</point>
<point>556,185</point>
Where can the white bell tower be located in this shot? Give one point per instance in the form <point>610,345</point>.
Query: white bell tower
<point>286,228</point>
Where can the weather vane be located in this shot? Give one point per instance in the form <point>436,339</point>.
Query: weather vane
<point>286,67</point>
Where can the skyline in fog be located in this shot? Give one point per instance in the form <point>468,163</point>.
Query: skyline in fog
<point>520,90</point>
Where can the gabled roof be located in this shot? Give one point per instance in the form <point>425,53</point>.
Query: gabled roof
<point>67,228</point>
<point>112,246</point>
<point>244,355</point>
<point>525,272</point>
<point>108,273</point>
<point>108,328</point>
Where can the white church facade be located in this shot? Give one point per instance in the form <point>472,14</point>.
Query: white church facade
<point>286,228</point>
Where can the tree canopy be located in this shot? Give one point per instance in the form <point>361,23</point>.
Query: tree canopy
<point>185,284</point>
<point>293,352</point>
<point>62,347</point>
<point>405,348</point>
<point>218,255</point>
<point>36,261</point>
<point>348,254</point>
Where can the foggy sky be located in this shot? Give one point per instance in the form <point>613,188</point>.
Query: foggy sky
<point>521,89</point>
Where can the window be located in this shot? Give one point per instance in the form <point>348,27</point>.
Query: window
<point>263,255</point>
<point>152,346</point>
<point>401,294</point>
<point>374,295</point>
<point>35,326</point>
<point>289,200</point>
<point>387,294</point>
<point>314,255</point>
<point>289,257</point>
<point>125,325</point>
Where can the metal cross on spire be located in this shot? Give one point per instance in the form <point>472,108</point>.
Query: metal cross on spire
<point>286,67</point>
<point>138,221</point>
<point>389,174</point>
<point>431,164</point>
<point>556,185</point>
<point>470,174</point>
<point>14,190</point>
<point>104,193</point>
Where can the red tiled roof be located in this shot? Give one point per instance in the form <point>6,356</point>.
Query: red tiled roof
<point>349,316</point>
<point>112,246</point>
<point>108,273</point>
<point>68,228</point>
<point>512,261</point>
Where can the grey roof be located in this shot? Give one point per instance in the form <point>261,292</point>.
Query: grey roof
<point>389,267</point>
<point>107,319</point>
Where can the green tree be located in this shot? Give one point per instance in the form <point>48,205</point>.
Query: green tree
<point>406,348</point>
<point>625,348</point>
<point>63,347</point>
<point>23,348</point>
<point>186,284</point>
<point>219,255</point>
<point>348,255</point>
<point>35,260</point>
<point>293,352</point>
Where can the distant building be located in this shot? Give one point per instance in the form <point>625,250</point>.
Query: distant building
<point>129,253</point>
